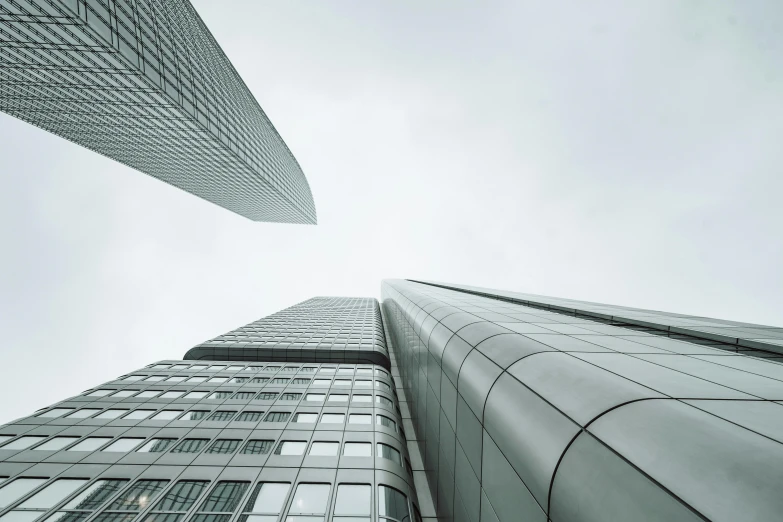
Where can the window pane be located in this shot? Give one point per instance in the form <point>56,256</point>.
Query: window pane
<point>290,447</point>
<point>392,503</point>
<point>149,393</point>
<point>56,443</point>
<point>114,517</point>
<point>55,412</point>
<point>196,395</point>
<point>172,394</point>
<point>182,496</point>
<point>90,444</point>
<point>362,398</point>
<point>387,452</point>
<point>315,397</point>
<point>357,449</point>
<point>138,496</point>
<point>290,396</point>
<point>167,415</point>
<point>139,414</point>
<point>306,417</point>
<point>99,393</point>
<point>258,447</point>
<point>197,378</point>
<point>110,414</point>
<point>268,498</point>
<point>195,415</point>
<point>190,446</point>
<point>222,415</point>
<point>266,396</point>
<point>333,418</point>
<point>363,384</point>
<point>18,488</point>
<point>243,395</point>
<point>160,517</point>
<point>342,382</point>
<point>124,393</point>
<point>277,416</point>
<point>83,413</point>
<point>156,446</point>
<point>52,494</point>
<point>23,442</point>
<point>324,449</point>
<point>360,418</point>
<point>250,416</point>
<point>95,495</point>
<point>335,397</point>
<point>225,497</point>
<point>20,516</point>
<point>386,421</point>
<point>310,499</point>
<point>224,446</point>
<point>123,445</point>
<point>353,499</point>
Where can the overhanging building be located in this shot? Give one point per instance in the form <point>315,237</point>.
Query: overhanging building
<point>144,82</point>
<point>445,402</point>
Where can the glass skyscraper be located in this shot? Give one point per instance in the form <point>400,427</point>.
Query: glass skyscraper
<point>443,402</point>
<point>145,83</point>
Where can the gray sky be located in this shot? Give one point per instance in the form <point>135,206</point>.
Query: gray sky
<point>612,151</point>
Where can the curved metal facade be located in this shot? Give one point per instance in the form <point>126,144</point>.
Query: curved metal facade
<point>527,414</point>
<point>144,82</point>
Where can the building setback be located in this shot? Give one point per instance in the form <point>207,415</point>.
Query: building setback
<point>445,402</point>
<point>144,82</point>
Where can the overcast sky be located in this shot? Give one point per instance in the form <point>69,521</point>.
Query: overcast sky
<point>620,152</point>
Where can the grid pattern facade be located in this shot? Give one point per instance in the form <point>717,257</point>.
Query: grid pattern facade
<point>346,329</point>
<point>523,413</point>
<point>217,442</point>
<point>145,83</point>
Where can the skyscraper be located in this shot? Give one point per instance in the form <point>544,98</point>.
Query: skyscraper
<point>446,402</point>
<point>145,83</point>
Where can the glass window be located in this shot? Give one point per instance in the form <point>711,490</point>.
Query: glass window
<point>83,413</point>
<point>225,497</point>
<point>266,396</point>
<point>380,399</point>
<point>324,449</point>
<point>345,371</point>
<point>250,416</point>
<point>190,446</point>
<point>318,397</point>
<point>357,449</point>
<point>382,385</point>
<point>182,496</point>
<point>310,499</point>
<point>381,373</point>
<point>90,444</point>
<point>258,447</point>
<point>322,382</point>
<point>290,447</point>
<point>260,380</point>
<point>23,442</point>
<point>124,393</point>
<point>54,413</point>
<point>327,369</point>
<point>218,379</point>
<point>359,418</point>
<point>197,378</point>
<point>94,496</point>
<point>148,393</point>
<point>158,366</point>
<point>244,395</point>
<point>156,446</point>
<point>194,415</point>
<point>353,500</point>
<point>382,420</point>
<point>224,446</point>
<point>196,395</point>
<point>361,398</point>
<point>338,397</point>
<point>362,384</point>
<point>387,452</point>
<point>306,417</point>
<point>239,380</point>
<point>172,395</point>
<point>123,444</point>
<point>138,496</point>
<point>110,414</point>
<point>235,368</point>
<point>392,504</point>
<point>13,491</point>
<point>99,393</point>
<point>155,378</point>
<point>221,395</point>
<point>198,367</point>
<point>131,378</point>
<point>277,416</point>
<point>279,380</point>
<point>307,369</point>
<point>288,396</point>
<point>222,415</point>
<point>56,443</point>
<point>342,382</point>
<point>52,494</point>
<point>217,367</point>
<point>268,498</point>
<point>299,380</point>
<point>176,378</point>
<point>333,418</point>
<point>139,414</point>
<point>179,366</point>
<point>167,414</point>
<point>364,371</point>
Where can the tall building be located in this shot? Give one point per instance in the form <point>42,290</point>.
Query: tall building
<point>445,402</point>
<point>144,82</point>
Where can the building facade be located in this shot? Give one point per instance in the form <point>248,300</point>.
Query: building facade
<point>443,402</point>
<point>144,82</point>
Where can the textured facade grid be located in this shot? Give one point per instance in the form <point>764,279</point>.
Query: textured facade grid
<point>145,83</point>
<point>214,442</point>
<point>528,414</point>
<point>319,329</point>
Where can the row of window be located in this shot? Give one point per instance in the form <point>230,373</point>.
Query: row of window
<point>343,370</point>
<point>75,499</point>
<point>195,445</point>
<point>359,383</point>
<point>222,415</point>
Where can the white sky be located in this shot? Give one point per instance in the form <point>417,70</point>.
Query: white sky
<point>615,151</point>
